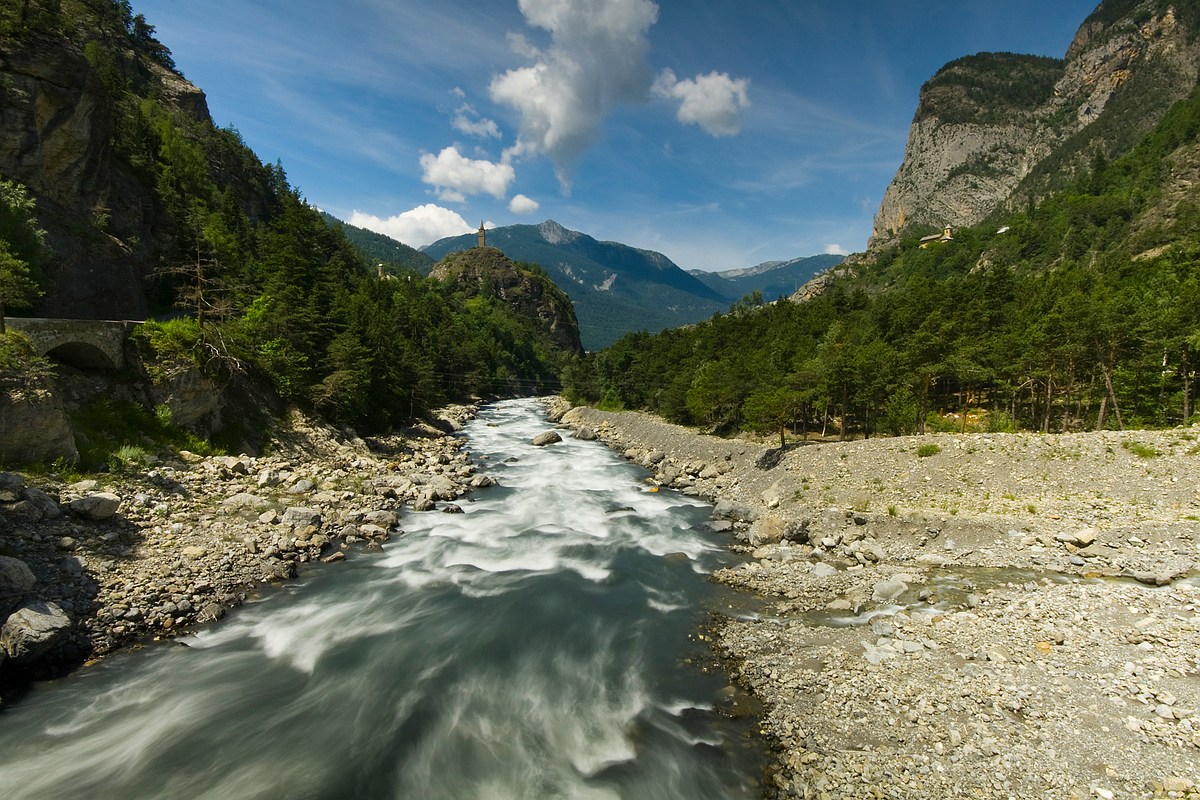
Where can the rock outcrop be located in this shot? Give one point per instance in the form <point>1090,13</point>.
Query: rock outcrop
<point>487,272</point>
<point>993,129</point>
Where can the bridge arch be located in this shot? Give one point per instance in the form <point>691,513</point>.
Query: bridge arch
<point>89,344</point>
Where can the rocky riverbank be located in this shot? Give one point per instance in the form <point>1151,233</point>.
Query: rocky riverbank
<point>978,615</point>
<point>92,566</point>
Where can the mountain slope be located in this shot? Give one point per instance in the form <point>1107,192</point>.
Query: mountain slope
<point>616,289</point>
<point>994,130</point>
<point>377,249</point>
<point>772,279</point>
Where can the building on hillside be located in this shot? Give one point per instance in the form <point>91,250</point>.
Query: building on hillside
<point>483,235</point>
<point>936,238</point>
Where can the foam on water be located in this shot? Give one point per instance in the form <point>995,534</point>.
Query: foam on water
<point>533,646</point>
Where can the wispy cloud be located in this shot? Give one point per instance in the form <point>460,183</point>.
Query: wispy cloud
<point>468,121</point>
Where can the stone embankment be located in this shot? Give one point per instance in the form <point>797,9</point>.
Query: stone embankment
<point>103,563</point>
<point>978,615</point>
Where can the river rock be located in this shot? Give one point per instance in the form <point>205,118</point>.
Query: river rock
<point>768,530</point>
<point>46,505</point>
<point>96,507</point>
<point>244,500</point>
<point>33,630</point>
<point>300,516</point>
<point>586,434</point>
<point>11,487</point>
<point>440,487</point>
<point>16,581</point>
<point>888,591</point>
<point>734,512</point>
<point>549,437</point>
<point>383,518</point>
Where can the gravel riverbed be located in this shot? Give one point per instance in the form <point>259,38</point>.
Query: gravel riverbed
<point>96,565</point>
<point>1008,616</point>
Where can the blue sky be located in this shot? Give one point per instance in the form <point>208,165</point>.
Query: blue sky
<point>723,133</point>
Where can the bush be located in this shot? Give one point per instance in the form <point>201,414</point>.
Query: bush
<point>21,368</point>
<point>927,450</point>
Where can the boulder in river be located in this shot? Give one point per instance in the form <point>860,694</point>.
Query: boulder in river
<point>549,437</point>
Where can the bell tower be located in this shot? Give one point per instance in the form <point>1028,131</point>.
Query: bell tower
<point>482,235</point>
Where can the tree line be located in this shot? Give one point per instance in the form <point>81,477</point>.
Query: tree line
<point>1081,312</point>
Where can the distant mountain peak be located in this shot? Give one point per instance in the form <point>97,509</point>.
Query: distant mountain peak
<point>554,233</point>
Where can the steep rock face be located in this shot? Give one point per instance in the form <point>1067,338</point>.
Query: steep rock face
<point>105,231</point>
<point>996,128</point>
<point>486,271</point>
<point>34,428</point>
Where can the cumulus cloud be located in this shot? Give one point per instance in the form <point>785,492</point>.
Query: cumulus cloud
<point>836,250</point>
<point>596,61</point>
<point>711,101</point>
<point>416,228</point>
<point>520,204</point>
<point>454,176</point>
<point>467,120</point>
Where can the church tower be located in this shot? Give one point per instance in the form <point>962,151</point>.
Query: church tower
<point>482,235</point>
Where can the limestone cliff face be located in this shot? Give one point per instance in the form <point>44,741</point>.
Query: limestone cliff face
<point>993,129</point>
<point>58,125</point>
<point>486,271</point>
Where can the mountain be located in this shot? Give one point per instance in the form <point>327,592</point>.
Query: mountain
<point>616,289</point>
<point>995,131</point>
<point>772,279</point>
<point>378,249</point>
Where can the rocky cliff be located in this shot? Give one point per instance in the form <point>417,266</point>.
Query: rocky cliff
<point>85,93</point>
<point>995,129</point>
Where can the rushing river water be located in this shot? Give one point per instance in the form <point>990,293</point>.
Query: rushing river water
<point>536,646</point>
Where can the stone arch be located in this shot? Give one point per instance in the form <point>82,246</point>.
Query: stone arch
<point>83,354</point>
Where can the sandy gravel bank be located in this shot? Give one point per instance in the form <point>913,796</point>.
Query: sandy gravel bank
<point>1011,615</point>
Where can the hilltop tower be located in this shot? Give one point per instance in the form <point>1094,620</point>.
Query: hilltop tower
<point>482,235</point>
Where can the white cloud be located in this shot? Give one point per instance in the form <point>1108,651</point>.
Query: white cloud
<point>596,62</point>
<point>455,176</point>
<point>416,228</point>
<point>521,204</point>
<point>467,120</point>
<point>711,101</point>
<point>836,250</point>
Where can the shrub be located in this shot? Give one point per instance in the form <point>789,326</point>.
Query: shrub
<point>927,450</point>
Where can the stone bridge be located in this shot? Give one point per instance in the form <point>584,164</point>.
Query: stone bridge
<point>87,343</point>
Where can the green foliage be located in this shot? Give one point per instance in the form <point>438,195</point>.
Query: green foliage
<point>1141,450</point>
<point>927,450</point>
<point>115,435</point>
<point>989,87</point>
<point>1031,326</point>
<point>21,368</point>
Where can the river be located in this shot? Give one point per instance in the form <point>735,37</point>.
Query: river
<point>538,645</point>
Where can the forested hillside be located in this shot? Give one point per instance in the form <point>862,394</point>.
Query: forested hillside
<point>1080,312</point>
<point>173,217</point>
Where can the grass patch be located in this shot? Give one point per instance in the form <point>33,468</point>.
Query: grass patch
<point>121,435</point>
<point>927,450</point>
<point>1141,450</point>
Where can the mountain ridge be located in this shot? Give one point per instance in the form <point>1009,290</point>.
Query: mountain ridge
<point>994,131</point>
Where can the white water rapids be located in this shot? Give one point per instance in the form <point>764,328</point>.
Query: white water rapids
<point>536,646</point>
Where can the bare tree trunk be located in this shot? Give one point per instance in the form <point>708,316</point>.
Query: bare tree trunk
<point>1187,388</point>
<point>1112,395</point>
<point>1103,416</point>
<point>1049,403</point>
